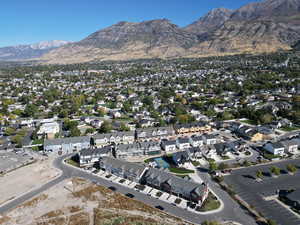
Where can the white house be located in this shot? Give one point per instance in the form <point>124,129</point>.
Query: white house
<point>168,146</point>
<point>291,146</point>
<point>209,139</point>
<point>275,148</point>
<point>183,143</point>
<point>196,141</point>
<point>49,130</point>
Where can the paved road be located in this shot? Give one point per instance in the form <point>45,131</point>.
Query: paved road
<point>231,212</point>
<point>244,183</point>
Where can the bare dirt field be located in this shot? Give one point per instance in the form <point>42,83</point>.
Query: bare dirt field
<point>79,202</point>
<point>24,179</point>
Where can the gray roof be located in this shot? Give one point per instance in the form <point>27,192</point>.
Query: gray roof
<point>135,168</point>
<point>277,145</point>
<point>149,144</point>
<point>97,151</point>
<point>174,181</point>
<point>180,155</point>
<point>197,138</point>
<point>190,125</point>
<point>73,140</point>
<point>115,134</point>
<point>292,142</point>
<point>128,147</point>
<point>183,140</point>
<point>168,142</point>
<point>209,136</point>
<point>193,150</point>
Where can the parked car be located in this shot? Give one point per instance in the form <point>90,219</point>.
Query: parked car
<point>159,207</point>
<point>129,195</point>
<point>112,188</point>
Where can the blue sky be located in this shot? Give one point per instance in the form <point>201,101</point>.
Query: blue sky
<point>30,21</point>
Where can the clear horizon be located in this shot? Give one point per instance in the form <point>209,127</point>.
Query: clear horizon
<point>32,21</point>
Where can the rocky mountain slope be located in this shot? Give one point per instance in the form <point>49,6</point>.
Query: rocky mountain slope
<point>23,52</point>
<point>266,26</point>
<point>211,21</point>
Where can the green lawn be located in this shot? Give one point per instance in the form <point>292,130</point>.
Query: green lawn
<point>225,157</point>
<point>288,129</point>
<point>251,122</point>
<point>195,163</point>
<point>72,162</point>
<point>211,203</point>
<point>38,142</point>
<point>180,170</point>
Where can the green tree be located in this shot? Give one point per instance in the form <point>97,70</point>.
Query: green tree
<point>259,174</point>
<point>69,124</point>
<point>17,139</point>
<point>30,110</point>
<point>90,130</point>
<point>123,127</point>
<point>222,166</point>
<point>266,118</point>
<point>9,131</point>
<point>213,166</point>
<point>275,170</point>
<point>75,132</point>
<point>106,127</point>
<point>291,168</point>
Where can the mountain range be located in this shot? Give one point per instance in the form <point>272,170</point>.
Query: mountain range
<point>22,52</point>
<point>259,27</point>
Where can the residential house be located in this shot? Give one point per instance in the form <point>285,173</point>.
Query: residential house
<point>150,148</point>
<point>178,186</point>
<point>180,158</point>
<point>126,137</point>
<point>194,153</point>
<point>168,145</point>
<point>124,169</point>
<point>67,145</point>
<point>196,141</point>
<point>276,148</point>
<point>89,156</point>
<point>196,127</point>
<point>48,130</point>
<point>154,133</point>
<point>209,139</point>
<point>124,151</point>
<point>250,133</point>
<point>183,143</point>
<point>290,146</point>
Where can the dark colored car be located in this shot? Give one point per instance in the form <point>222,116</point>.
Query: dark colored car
<point>112,188</point>
<point>129,195</point>
<point>159,207</point>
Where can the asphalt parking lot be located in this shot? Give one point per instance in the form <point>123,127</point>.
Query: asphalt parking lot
<point>12,160</point>
<point>244,184</point>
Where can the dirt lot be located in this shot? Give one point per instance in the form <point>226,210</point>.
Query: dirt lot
<point>26,178</point>
<point>78,202</point>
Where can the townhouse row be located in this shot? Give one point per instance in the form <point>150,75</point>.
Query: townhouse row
<point>155,178</point>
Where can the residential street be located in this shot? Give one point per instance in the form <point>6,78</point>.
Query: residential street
<point>231,211</point>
